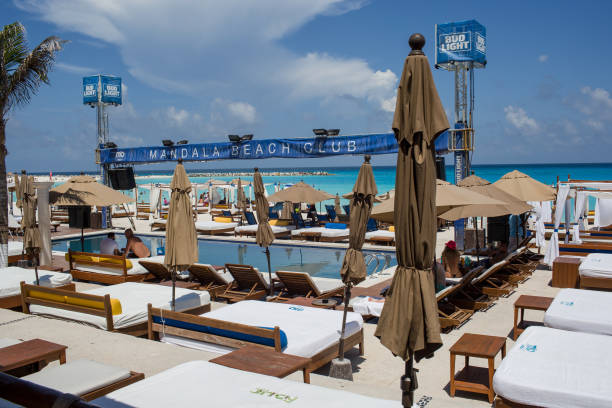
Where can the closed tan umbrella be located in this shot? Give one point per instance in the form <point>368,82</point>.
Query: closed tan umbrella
<point>31,234</point>
<point>241,197</point>
<point>264,236</point>
<point>181,238</point>
<point>447,196</point>
<point>337,207</point>
<point>287,210</point>
<point>409,325</point>
<point>300,193</point>
<point>511,204</point>
<point>353,268</point>
<point>525,188</point>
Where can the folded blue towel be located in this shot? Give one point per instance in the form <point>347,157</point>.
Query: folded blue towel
<point>335,225</point>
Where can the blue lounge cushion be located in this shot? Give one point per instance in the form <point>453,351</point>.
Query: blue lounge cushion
<point>335,225</point>
<point>223,332</point>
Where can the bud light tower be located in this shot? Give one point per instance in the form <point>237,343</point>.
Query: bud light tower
<point>461,47</point>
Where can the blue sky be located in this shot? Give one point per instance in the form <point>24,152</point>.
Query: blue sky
<point>201,69</point>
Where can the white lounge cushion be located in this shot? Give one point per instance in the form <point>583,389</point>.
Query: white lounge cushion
<point>5,342</point>
<point>200,383</point>
<point>556,368</point>
<point>15,248</point>
<point>134,298</point>
<point>581,310</point>
<point>159,221</point>
<point>136,269</point>
<point>325,232</point>
<point>275,228</point>
<point>78,377</point>
<point>11,277</point>
<point>213,225</point>
<point>309,330</point>
<point>367,305</point>
<point>380,234</point>
<point>596,266</point>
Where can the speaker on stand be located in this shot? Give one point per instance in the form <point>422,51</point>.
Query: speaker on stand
<point>79,216</point>
<point>122,178</point>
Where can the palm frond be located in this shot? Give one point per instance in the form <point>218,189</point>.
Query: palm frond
<point>24,81</point>
<point>14,46</point>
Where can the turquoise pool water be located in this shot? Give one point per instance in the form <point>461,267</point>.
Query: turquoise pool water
<point>317,261</point>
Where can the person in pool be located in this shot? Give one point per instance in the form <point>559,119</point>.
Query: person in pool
<point>135,248</point>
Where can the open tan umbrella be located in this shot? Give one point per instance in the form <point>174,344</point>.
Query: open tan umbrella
<point>85,191</point>
<point>511,204</point>
<point>447,196</point>
<point>31,234</point>
<point>525,188</point>
<point>353,268</point>
<point>300,193</point>
<point>409,325</point>
<point>181,238</point>
<point>264,236</point>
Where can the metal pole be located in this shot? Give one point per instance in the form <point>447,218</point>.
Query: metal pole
<point>173,287</point>
<point>347,297</point>
<point>269,272</point>
<point>408,383</point>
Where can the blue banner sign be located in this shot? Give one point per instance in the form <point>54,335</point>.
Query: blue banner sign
<point>382,143</point>
<point>111,89</point>
<point>90,89</point>
<point>461,41</point>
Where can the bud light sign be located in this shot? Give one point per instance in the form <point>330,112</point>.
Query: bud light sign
<point>461,41</point>
<point>90,89</point>
<point>110,91</point>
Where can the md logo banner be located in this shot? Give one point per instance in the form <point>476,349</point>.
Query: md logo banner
<point>383,143</point>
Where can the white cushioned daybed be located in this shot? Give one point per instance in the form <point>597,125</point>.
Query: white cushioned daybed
<point>134,298</point>
<point>308,330</point>
<point>278,230</point>
<point>596,271</point>
<point>11,277</point>
<point>368,305</point>
<point>136,268</point>
<point>213,227</point>
<point>556,368</point>
<point>15,248</point>
<point>327,234</point>
<point>581,310</point>
<point>200,383</point>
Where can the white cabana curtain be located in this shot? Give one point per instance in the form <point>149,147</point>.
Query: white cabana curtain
<point>581,202</point>
<point>546,211</point>
<point>553,246</point>
<point>537,217</point>
<point>603,212</point>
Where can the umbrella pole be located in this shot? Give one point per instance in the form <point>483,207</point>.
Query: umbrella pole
<point>341,368</point>
<point>36,269</point>
<point>477,243</point>
<point>408,383</point>
<point>173,286</point>
<point>269,272</point>
<point>82,241</point>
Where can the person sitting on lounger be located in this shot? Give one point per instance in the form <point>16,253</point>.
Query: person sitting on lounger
<point>499,254</point>
<point>135,248</point>
<point>109,246</point>
<point>450,260</point>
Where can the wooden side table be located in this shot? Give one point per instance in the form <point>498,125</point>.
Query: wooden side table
<point>531,303</point>
<point>261,360</point>
<point>36,351</point>
<point>470,377</point>
<point>565,272</point>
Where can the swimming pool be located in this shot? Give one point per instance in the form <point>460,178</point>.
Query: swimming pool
<point>317,261</point>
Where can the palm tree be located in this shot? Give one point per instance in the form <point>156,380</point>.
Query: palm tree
<point>21,73</point>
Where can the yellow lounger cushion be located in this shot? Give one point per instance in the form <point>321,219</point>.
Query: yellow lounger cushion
<point>279,222</point>
<point>95,304</point>
<point>392,228</point>
<point>223,219</point>
<point>98,259</point>
<point>38,294</point>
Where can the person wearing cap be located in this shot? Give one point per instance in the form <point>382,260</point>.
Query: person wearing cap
<point>450,260</point>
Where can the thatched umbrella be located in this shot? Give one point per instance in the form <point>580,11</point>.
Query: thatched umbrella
<point>300,193</point>
<point>181,238</point>
<point>353,268</point>
<point>81,191</point>
<point>31,235</point>
<point>264,236</point>
<point>409,325</point>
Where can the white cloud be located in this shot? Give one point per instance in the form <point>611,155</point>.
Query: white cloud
<point>178,116</point>
<point>594,124</point>
<point>242,110</point>
<point>518,118</point>
<point>543,58</point>
<point>75,69</point>
<point>230,48</point>
<point>598,95</point>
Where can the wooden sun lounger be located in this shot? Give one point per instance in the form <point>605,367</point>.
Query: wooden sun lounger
<point>209,279</point>
<point>301,284</point>
<point>248,284</point>
<point>318,360</point>
<point>136,330</point>
<point>491,285</point>
<point>159,270</point>
<point>449,313</point>
<point>14,302</point>
<point>468,297</point>
<point>158,225</point>
<point>100,277</point>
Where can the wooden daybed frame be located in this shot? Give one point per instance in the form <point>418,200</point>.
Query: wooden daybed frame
<point>214,231</point>
<point>585,249</point>
<point>14,302</point>
<point>318,360</point>
<point>280,234</point>
<point>139,329</point>
<point>101,277</point>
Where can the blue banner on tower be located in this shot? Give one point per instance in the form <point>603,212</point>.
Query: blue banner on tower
<point>461,41</point>
<point>111,89</point>
<point>382,143</point>
<point>90,89</point>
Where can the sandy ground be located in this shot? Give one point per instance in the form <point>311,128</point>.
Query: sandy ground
<point>376,374</point>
